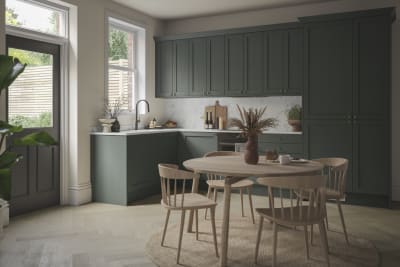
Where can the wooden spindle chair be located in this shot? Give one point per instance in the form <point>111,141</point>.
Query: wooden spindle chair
<point>174,198</point>
<point>287,212</point>
<point>336,171</point>
<point>216,182</point>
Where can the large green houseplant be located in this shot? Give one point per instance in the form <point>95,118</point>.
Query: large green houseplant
<point>10,69</point>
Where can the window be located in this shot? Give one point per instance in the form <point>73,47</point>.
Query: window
<point>37,16</point>
<point>124,69</point>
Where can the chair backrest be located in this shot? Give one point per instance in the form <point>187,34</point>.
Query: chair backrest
<point>211,176</point>
<point>171,179</point>
<point>290,192</point>
<point>336,171</point>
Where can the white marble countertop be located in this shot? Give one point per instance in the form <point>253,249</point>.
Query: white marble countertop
<point>166,130</point>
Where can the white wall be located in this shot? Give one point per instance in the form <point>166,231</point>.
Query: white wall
<point>290,14</point>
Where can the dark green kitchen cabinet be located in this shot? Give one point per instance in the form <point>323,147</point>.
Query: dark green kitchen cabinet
<point>165,69</point>
<point>183,68</point>
<point>329,83</point>
<point>347,98</point>
<point>276,49</point>
<point>216,66</point>
<point>124,168</point>
<point>198,67</point>
<point>195,144</point>
<point>295,59</point>
<point>292,144</point>
<point>333,138</point>
<point>255,64</point>
<point>235,59</point>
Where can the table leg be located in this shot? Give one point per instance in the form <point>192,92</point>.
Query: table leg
<point>225,225</point>
<point>195,189</point>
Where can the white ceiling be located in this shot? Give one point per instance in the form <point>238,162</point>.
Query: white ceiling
<point>175,9</point>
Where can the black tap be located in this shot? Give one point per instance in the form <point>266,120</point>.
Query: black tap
<point>137,111</point>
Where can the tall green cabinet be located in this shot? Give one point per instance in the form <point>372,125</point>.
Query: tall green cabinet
<point>347,98</point>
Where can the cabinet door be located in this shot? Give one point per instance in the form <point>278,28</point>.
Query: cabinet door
<point>165,67</point>
<point>216,66</point>
<point>182,53</point>
<point>371,146</point>
<point>195,145</point>
<point>295,73</point>
<point>372,69</point>
<point>255,64</point>
<point>329,83</point>
<point>276,62</point>
<point>199,67</point>
<point>235,65</point>
<point>333,138</point>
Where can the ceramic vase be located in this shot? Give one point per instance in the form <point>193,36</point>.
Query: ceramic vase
<point>251,153</point>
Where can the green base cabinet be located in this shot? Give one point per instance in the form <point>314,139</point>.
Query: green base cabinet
<point>124,168</point>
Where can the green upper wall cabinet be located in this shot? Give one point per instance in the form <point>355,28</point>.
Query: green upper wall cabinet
<point>216,66</point>
<point>253,62</point>
<point>165,69</point>
<point>235,59</point>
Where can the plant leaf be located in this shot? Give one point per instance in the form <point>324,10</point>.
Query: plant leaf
<point>36,139</point>
<point>5,183</point>
<point>10,69</point>
<point>7,159</point>
<point>8,128</point>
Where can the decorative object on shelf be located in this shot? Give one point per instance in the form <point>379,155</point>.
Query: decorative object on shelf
<point>107,124</point>
<point>215,116</point>
<point>112,111</point>
<point>294,118</point>
<point>10,69</point>
<point>153,123</point>
<point>251,125</point>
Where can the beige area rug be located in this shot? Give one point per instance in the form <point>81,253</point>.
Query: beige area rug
<point>242,239</point>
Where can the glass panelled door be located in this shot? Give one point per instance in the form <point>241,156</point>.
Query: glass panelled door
<point>33,102</point>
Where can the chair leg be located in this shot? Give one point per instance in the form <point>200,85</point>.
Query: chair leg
<point>215,194</point>
<point>180,236</point>
<point>241,201</point>
<point>212,211</point>
<point>342,219</point>
<point>197,224</point>
<point>275,241</point>
<point>260,226</point>
<point>209,197</point>
<point>312,234</point>
<point>326,220</point>
<point>306,239</point>
<point>165,227</point>
<point>251,204</point>
<point>324,241</point>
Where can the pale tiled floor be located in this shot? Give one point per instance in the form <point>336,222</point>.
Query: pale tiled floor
<point>107,235</point>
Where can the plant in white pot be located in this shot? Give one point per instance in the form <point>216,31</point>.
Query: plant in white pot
<point>10,69</point>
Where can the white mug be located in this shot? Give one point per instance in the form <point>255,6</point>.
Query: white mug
<point>284,159</point>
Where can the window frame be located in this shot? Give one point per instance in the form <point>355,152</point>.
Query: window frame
<point>64,33</point>
<point>118,24</point>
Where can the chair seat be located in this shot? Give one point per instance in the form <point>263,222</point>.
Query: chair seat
<point>282,216</point>
<point>191,201</point>
<point>332,194</point>
<point>219,184</point>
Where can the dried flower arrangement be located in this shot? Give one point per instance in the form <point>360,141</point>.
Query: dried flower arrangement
<point>251,122</point>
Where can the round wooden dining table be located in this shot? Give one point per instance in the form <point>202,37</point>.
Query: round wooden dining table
<point>234,168</point>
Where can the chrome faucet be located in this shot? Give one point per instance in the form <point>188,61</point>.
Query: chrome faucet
<point>137,120</point>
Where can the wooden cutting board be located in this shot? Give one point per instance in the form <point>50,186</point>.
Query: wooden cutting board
<point>218,111</point>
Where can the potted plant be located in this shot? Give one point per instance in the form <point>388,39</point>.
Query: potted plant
<point>294,118</point>
<point>10,68</point>
<point>112,110</point>
<point>251,125</point>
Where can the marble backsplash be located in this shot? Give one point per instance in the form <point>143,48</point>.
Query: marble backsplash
<point>188,112</point>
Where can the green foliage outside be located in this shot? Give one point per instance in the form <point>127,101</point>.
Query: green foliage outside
<point>118,44</point>
<point>43,120</point>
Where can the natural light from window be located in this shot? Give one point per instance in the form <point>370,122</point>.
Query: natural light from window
<point>35,16</point>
